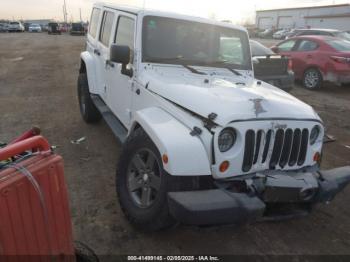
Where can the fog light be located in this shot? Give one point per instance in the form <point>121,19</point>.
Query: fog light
<point>224,166</point>
<point>307,194</point>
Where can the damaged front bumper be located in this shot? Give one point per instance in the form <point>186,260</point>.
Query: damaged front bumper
<point>272,195</point>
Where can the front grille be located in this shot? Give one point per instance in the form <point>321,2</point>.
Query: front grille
<point>275,148</point>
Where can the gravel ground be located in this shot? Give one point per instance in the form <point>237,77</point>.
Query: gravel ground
<point>38,76</point>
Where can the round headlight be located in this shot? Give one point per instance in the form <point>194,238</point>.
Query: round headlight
<point>315,133</point>
<point>227,139</point>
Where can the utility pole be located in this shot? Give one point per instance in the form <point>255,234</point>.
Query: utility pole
<point>81,20</point>
<point>65,11</point>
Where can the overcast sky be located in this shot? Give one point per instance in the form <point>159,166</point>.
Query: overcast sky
<point>237,11</point>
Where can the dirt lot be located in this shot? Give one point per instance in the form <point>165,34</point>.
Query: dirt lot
<point>38,76</point>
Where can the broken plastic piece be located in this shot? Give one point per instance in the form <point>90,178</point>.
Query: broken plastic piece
<point>78,141</point>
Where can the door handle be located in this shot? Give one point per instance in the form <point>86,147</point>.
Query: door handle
<point>309,56</point>
<point>97,52</point>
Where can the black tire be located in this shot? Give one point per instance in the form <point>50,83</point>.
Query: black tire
<point>312,79</point>
<point>88,110</point>
<point>156,216</point>
<point>83,253</point>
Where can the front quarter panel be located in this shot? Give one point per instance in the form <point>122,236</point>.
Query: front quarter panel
<point>186,153</point>
<point>90,71</point>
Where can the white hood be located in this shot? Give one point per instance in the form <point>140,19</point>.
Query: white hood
<point>219,93</point>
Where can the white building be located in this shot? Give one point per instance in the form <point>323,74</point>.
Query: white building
<point>330,16</point>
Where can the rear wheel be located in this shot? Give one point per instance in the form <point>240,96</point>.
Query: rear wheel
<point>88,110</point>
<point>312,79</point>
<point>142,184</point>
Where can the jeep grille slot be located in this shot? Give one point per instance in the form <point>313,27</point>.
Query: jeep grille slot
<point>288,137</point>
<point>295,147</point>
<point>257,146</point>
<point>275,148</point>
<point>303,146</point>
<point>267,145</point>
<point>248,150</point>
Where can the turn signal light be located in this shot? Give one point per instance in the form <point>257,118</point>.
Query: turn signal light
<point>165,159</point>
<point>224,166</point>
<point>317,157</point>
<point>290,65</point>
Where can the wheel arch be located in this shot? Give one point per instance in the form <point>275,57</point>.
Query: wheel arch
<point>186,153</point>
<point>87,66</point>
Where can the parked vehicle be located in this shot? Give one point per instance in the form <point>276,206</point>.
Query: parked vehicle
<point>64,28</point>
<point>271,68</point>
<point>77,29</point>
<point>266,33</point>
<point>34,28</point>
<point>203,141</point>
<point>317,59</point>
<point>26,26</point>
<point>326,32</point>
<point>253,32</point>
<point>53,28</point>
<point>15,27</point>
<point>281,34</point>
<point>3,27</point>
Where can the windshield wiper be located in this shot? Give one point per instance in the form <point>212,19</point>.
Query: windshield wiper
<point>176,59</point>
<point>225,65</point>
<point>193,70</point>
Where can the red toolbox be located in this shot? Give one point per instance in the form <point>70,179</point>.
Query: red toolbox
<point>34,211</point>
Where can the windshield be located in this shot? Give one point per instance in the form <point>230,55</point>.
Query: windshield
<point>168,40</point>
<point>14,23</point>
<point>340,45</point>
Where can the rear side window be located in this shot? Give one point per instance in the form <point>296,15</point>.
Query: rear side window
<point>94,22</point>
<point>287,46</point>
<point>306,45</point>
<point>106,27</point>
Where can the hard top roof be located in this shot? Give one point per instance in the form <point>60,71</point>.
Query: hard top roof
<point>143,12</point>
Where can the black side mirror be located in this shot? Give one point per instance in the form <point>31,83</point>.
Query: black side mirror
<point>121,54</point>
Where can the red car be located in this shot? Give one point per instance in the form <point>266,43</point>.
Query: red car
<point>317,59</point>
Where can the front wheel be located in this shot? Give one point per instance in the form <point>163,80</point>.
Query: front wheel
<point>312,79</point>
<point>88,110</point>
<point>142,184</point>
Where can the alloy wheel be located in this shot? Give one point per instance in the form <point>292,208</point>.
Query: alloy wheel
<point>143,178</point>
<point>312,79</point>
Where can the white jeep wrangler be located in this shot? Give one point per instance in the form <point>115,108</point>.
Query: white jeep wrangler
<point>204,142</point>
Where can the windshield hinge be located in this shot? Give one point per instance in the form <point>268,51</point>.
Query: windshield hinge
<point>209,122</point>
<point>196,131</point>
